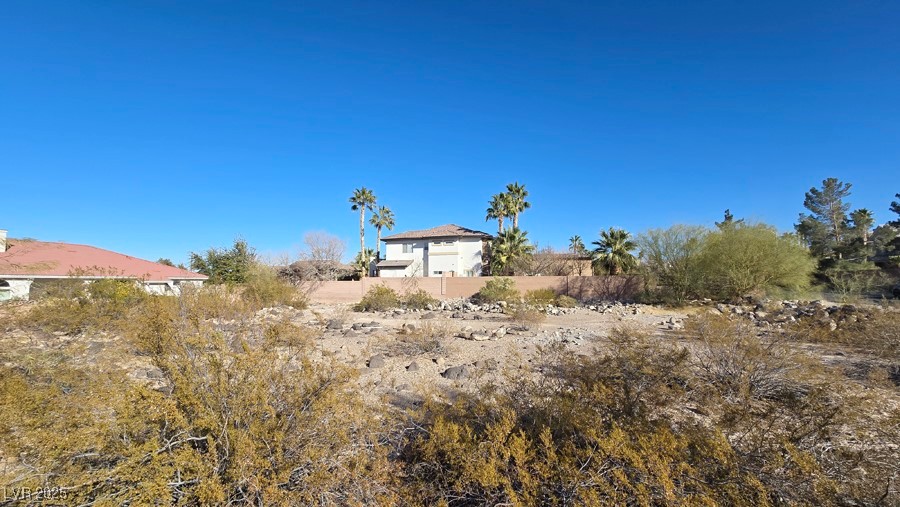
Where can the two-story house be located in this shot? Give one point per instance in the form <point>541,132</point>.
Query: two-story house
<point>447,250</point>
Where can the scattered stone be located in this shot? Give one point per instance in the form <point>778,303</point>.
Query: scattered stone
<point>456,373</point>
<point>334,324</point>
<point>413,366</point>
<point>376,361</point>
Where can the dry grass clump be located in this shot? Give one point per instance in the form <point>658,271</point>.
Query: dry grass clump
<point>419,339</point>
<point>526,316</point>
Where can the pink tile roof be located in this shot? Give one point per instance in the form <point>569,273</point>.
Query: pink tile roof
<point>441,231</point>
<point>25,258</point>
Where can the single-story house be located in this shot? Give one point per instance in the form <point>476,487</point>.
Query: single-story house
<point>25,262</point>
<point>447,250</point>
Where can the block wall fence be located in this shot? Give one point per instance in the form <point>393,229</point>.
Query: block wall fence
<point>608,288</point>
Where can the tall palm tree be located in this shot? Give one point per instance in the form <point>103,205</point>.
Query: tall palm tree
<point>362,199</point>
<point>576,245</point>
<point>613,252</point>
<point>517,200</point>
<point>499,210</point>
<point>382,217</point>
<point>508,250</point>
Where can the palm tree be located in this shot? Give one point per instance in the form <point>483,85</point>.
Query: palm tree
<point>498,209</point>
<point>517,195</point>
<point>576,245</point>
<point>383,217</point>
<point>362,199</point>
<point>613,251</point>
<point>363,261</point>
<point>509,249</point>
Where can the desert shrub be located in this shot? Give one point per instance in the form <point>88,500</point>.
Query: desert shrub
<point>544,296</point>
<point>851,281</point>
<point>378,298</point>
<point>732,359</point>
<point>425,337</point>
<point>263,288</point>
<point>870,329</point>
<point>744,259</point>
<point>498,289</point>
<point>564,301</point>
<point>100,305</point>
<point>418,300</point>
<point>584,434</point>
<point>526,316</point>
<point>246,419</point>
<point>670,259</point>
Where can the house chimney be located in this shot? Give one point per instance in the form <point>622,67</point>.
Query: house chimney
<point>2,240</point>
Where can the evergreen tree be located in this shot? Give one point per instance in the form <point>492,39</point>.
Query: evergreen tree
<point>825,228</point>
<point>728,221</point>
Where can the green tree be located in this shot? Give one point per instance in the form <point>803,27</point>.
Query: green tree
<point>670,259</point>
<point>221,265</point>
<point>613,252</point>
<point>165,262</point>
<point>362,199</point>
<point>509,251</point>
<point>518,203</point>
<point>862,221</point>
<point>895,207</point>
<point>363,261</point>
<point>383,217</point>
<point>576,245</point>
<point>728,221</point>
<point>824,229</point>
<point>499,210</point>
<point>746,259</point>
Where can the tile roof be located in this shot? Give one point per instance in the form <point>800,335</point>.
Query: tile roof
<point>441,231</point>
<point>24,258</point>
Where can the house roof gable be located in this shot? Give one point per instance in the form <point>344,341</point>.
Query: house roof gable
<point>441,231</point>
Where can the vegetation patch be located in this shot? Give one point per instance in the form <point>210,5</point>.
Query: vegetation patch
<point>378,298</point>
<point>499,289</point>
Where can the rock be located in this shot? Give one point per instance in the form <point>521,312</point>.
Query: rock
<point>439,361</point>
<point>403,387</point>
<point>456,315</point>
<point>376,361</point>
<point>456,373</point>
<point>356,326</point>
<point>479,337</point>
<point>413,366</point>
<point>429,315</point>
<point>334,324</point>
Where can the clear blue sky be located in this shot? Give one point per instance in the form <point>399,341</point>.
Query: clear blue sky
<point>158,128</point>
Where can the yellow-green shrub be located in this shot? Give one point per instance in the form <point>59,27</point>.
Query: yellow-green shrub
<point>378,298</point>
<point>564,301</point>
<point>499,289</point>
<point>544,296</point>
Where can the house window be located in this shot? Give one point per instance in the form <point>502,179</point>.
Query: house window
<point>407,248</point>
<point>438,272</point>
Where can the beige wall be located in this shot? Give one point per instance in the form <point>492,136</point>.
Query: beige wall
<point>579,287</point>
